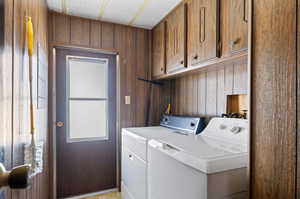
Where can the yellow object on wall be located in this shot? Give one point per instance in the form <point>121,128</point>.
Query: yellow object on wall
<point>29,36</point>
<point>168,111</point>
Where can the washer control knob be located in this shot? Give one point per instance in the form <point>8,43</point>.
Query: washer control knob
<point>222,127</point>
<point>235,130</point>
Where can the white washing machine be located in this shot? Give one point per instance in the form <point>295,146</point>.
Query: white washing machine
<point>212,165</point>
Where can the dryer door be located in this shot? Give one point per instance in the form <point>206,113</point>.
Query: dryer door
<point>133,175</point>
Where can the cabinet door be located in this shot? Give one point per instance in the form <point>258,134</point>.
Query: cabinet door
<point>176,39</point>
<point>203,30</point>
<point>238,16</point>
<point>158,54</point>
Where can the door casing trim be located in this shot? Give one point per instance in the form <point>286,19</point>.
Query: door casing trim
<point>52,114</point>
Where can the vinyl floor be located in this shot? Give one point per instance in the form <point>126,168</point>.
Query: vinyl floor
<point>114,195</point>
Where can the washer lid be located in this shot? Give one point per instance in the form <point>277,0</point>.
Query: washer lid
<point>206,157</point>
<point>228,130</point>
<point>221,146</point>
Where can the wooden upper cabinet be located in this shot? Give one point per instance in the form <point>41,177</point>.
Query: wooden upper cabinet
<point>238,25</point>
<point>176,39</point>
<point>158,50</point>
<point>203,30</point>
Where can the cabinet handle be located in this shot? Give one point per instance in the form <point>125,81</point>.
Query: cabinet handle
<point>235,42</point>
<point>245,17</point>
<point>175,42</point>
<point>174,45</point>
<point>202,24</point>
<point>195,57</point>
<point>161,69</point>
<point>181,62</point>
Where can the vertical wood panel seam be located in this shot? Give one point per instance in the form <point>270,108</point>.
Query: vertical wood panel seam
<point>54,28</point>
<point>12,87</point>
<point>12,90</point>
<point>217,88</point>
<point>205,87</point>
<point>297,104</point>
<point>90,32</point>
<point>114,34</point>
<point>197,93</point>
<point>233,77</point>
<point>70,27</point>
<point>135,79</point>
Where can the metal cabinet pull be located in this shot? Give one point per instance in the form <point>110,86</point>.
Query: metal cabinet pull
<point>202,25</point>
<point>245,11</point>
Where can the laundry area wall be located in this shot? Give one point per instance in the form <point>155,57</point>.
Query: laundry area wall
<point>205,93</point>
<point>14,89</point>
<point>131,44</point>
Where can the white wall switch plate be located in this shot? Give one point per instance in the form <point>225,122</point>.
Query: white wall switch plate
<point>127,99</point>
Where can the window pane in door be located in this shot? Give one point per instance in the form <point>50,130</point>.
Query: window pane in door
<point>87,119</point>
<point>87,78</point>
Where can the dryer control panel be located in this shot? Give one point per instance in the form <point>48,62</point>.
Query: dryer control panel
<point>194,125</point>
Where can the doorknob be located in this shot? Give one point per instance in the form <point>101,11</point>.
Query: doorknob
<point>17,178</point>
<point>60,124</point>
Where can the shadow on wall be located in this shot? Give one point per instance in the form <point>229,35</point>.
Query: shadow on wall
<point>1,27</point>
<point>1,54</point>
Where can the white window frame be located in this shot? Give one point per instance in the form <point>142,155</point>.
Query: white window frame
<point>68,98</point>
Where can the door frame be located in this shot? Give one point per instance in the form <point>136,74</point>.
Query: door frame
<point>249,68</point>
<point>52,112</point>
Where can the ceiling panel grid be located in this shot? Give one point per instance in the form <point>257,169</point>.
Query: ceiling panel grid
<point>138,13</point>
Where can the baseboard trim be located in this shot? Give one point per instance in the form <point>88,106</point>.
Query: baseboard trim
<point>93,194</point>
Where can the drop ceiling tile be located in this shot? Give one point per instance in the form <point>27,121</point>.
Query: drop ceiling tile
<point>155,12</point>
<point>84,8</point>
<point>121,11</point>
<point>118,11</point>
<point>55,5</point>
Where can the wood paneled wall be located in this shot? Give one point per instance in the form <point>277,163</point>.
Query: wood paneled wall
<point>132,45</point>
<point>14,120</point>
<point>298,103</point>
<point>204,93</point>
<point>274,99</point>
<point>6,87</point>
